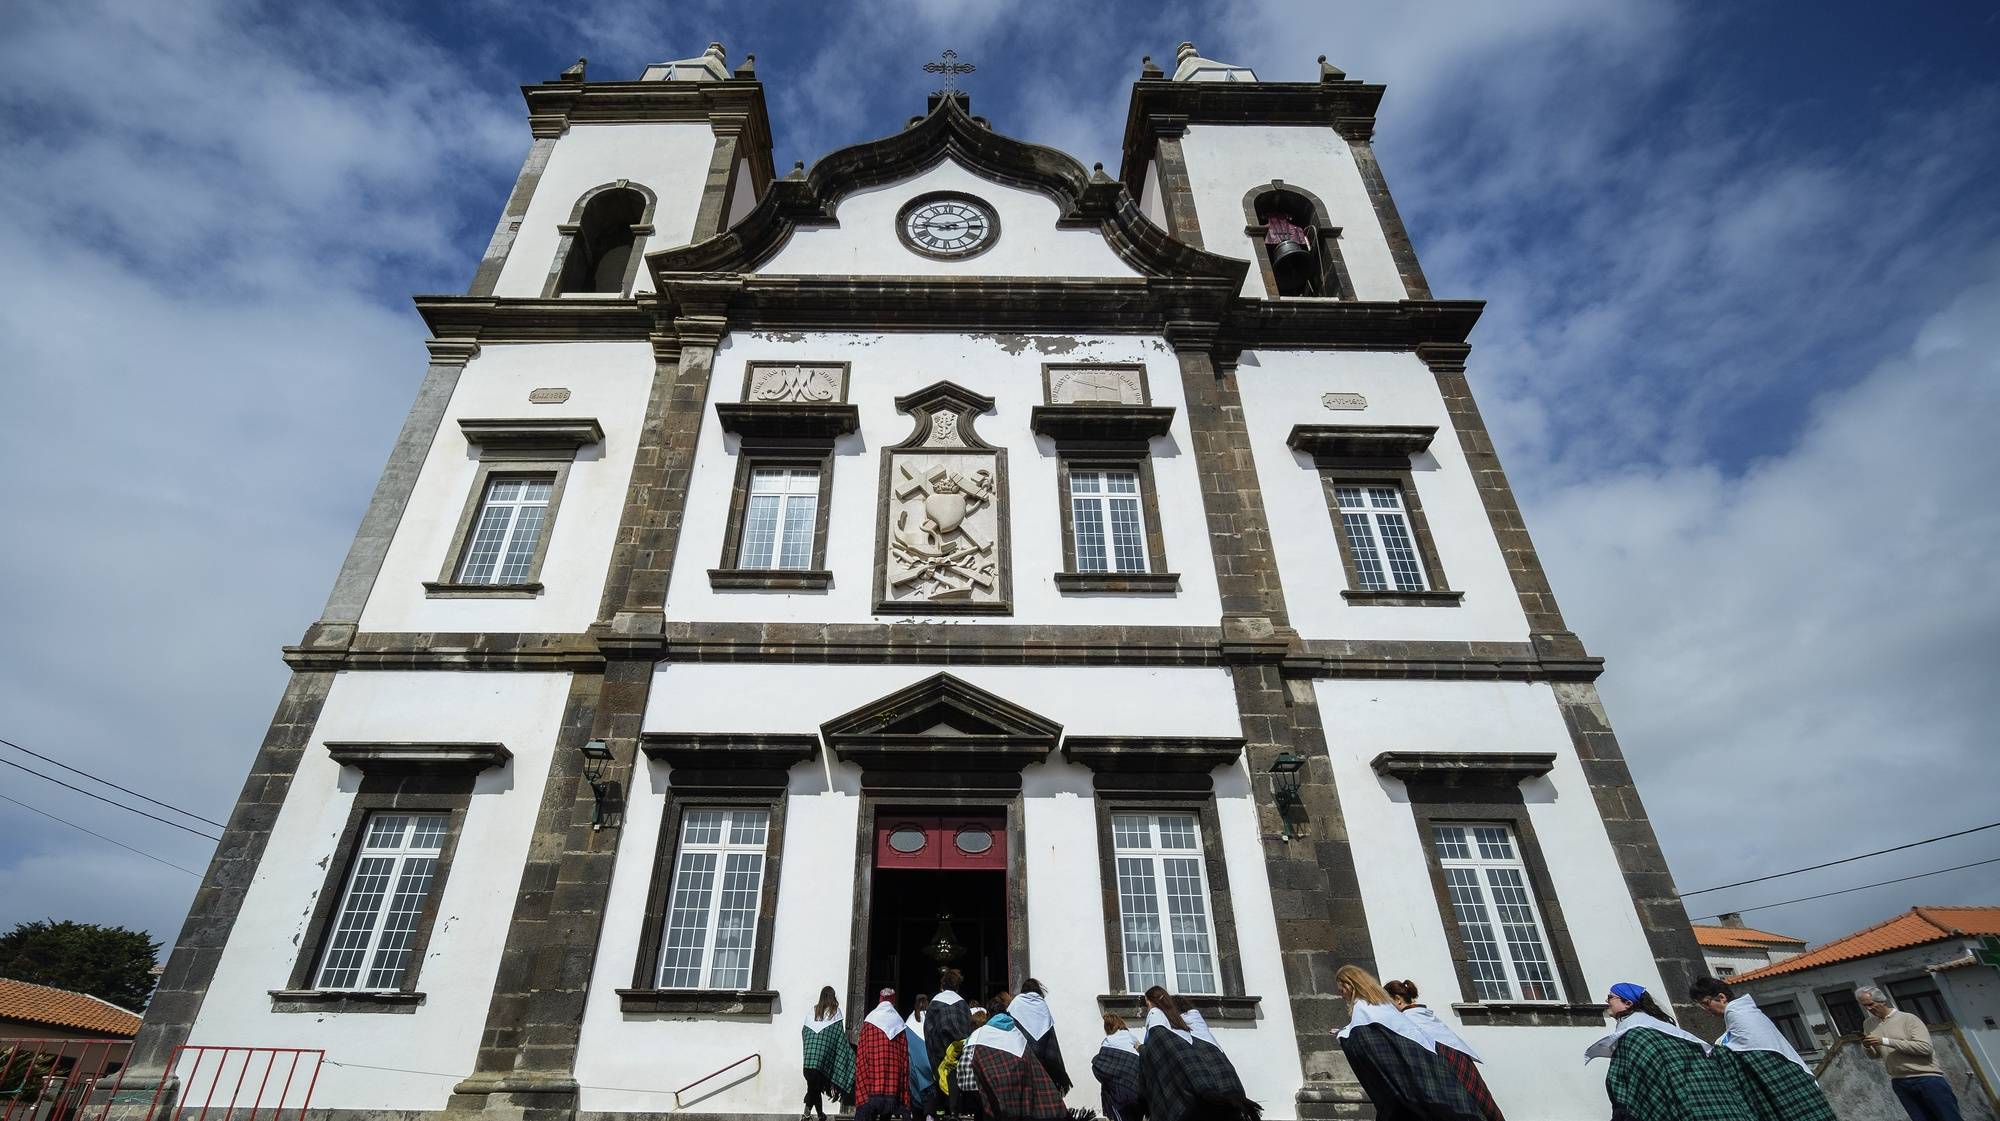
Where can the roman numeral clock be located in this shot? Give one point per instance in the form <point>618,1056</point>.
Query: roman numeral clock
<point>948,225</point>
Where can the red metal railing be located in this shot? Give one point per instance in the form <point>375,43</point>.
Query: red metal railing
<point>54,1079</point>
<point>237,1068</point>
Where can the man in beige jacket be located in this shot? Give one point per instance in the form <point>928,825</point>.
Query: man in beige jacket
<point>1903,1044</point>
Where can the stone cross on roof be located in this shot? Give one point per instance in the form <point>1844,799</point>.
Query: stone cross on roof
<point>951,68</point>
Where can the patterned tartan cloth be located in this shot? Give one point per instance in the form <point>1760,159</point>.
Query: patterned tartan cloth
<point>1656,1077</point>
<point>1118,1077</point>
<point>829,1054</point>
<point>1015,1087</point>
<point>964,1079</point>
<point>881,1068</point>
<point>1050,1053</point>
<point>1182,1081</point>
<point>1777,1088</point>
<point>946,1024</point>
<point>1461,1064</point>
<point>1404,1080</point>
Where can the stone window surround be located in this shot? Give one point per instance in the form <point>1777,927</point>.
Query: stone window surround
<point>1363,455</point>
<point>407,777</point>
<point>1157,579</point>
<point>536,446</point>
<point>753,454</point>
<point>1333,266</point>
<point>568,231</point>
<point>1485,788</point>
<point>1231,1003</point>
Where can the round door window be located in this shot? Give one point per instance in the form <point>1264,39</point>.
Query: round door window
<point>907,839</point>
<point>973,840</point>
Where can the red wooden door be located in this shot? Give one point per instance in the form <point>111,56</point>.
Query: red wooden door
<point>962,842</point>
<point>904,841</point>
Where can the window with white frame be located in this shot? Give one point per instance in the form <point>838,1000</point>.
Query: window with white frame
<point>1163,902</point>
<point>1497,918</point>
<point>711,930</point>
<point>779,518</point>
<point>1109,527</point>
<point>387,892</point>
<point>1378,536</point>
<point>507,530</point>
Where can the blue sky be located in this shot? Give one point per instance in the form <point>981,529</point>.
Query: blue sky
<point>1743,273</point>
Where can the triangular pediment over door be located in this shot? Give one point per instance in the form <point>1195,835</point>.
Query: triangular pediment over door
<point>940,735</point>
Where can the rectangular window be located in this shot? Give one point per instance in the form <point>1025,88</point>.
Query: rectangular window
<point>1163,902</point>
<point>384,902</point>
<point>711,931</point>
<point>1496,913</point>
<point>1109,525</point>
<point>512,515</point>
<point>1785,1014</point>
<point>779,516</point>
<point>1378,535</point>
<point>1844,1011</point>
<point>1919,997</point>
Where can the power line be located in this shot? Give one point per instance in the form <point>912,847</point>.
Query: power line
<point>1863,887</point>
<point>109,802</point>
<point>1845,860</point>
<point>113,785</point>
<point>99,836</point>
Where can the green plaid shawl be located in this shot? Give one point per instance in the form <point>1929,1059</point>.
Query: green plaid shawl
<point>1656,1077</point>
<point>828,1052</point>
<point>1777,1088</point>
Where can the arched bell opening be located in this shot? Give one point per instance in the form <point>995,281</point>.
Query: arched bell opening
<point>1291,243</point>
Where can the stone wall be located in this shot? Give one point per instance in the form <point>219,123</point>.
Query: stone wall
<point>1859,1091</point>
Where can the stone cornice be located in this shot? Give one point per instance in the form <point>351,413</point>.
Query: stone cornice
<point>1339,324</point>
<point>1347,442</point>
<point>399,758</point>
<point>735,106</point>
<point>493,319</point>
<point>1101,423</point>
<point>1160,107</point>
<point>1464,768</point>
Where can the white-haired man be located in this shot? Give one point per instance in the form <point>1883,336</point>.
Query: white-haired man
<point>1903,1044</point>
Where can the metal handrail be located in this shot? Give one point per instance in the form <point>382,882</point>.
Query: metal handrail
<point>756,1056</point>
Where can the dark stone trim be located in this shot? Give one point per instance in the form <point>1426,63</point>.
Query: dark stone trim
<point>1358,134</point>
<point>1436,597</point>
<point>1361,441</point>
<point>1435,800</point>
<point>1293,324</point>
<point>903,230</point>
<point>704,1002</point>
<point>1336,473</point>
<point>1333,264</point>
<point>770,579</point>
<point>439,589</point>
<point>735,105</point>
<point>494,261</point>
<point>719,762</point>
<point>816,453</point>
<point>1101,423</point>
<point>346,1003</point>
<point>1114,456</point>
<point>891,739</point>
<point>1529,1015</point>
<point>797,420</point>
<point>1464,768</point>
<point>719,185</point>
<point>1161,108</point>
<point>1176,186</point>
<point>1119,583</point>
<point>506,462</point>
<point>1221,904</point>
<point>1214,1008</point>
<point>498,319</point>
<point>566,243</point>
<point>409,758</point>
<point>702,788</point>
<point>535,435</point>
<point>426,650</point>
<point>906,643</point>
<point>1143,766</point>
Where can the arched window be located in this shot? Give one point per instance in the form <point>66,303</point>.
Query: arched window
<point>600,246</point>
<point>1299,251</point>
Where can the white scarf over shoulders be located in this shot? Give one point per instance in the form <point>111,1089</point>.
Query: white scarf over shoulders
<point>1032,1013</point>
<point>1603,1048</point>
<point>1124,1039</point>
<point>1199,1026</point>
<point>1440,1033</point>
<point>1751,1030</point>
<point>1000,1039</point>
<point>1387,1016</point>
<point>814,1023</point>
<point>887,1018</point>
<point>1156,1018</point>
<point>947,997</point>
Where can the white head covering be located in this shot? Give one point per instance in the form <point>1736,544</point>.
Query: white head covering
<point>1032,1013</point>
<point>1439,1032</point>
<point>1199,1026</point>
<point>814,1023</point>
<point>1386,1016</point>
<point>947,997</point>
<point>887,1018</point>
<point>1603,1048</point>
<point>1124,1039</point>
<point>1156,1018</point>
<point>1751,1030</point>
<point>1000,1039</point>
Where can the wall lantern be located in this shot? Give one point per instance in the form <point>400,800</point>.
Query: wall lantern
<point>1285,786</point>
<point>596,756</point>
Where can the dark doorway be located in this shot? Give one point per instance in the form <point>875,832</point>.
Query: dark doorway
<point>938,899</point>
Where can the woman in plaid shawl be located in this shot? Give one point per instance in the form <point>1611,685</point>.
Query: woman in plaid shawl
<point>1658,1071</point>
<point>882,1063</point>
<point>829,1064</point>
<point>1456,1052</point>
<point>1031,1014</point>
<point>1012,1084</point>
<point>1116,1066</point>
<point>1767,1068</point>
<point>948,1018</point>
<point>1183,1077</point>
<point>1395,1062</point>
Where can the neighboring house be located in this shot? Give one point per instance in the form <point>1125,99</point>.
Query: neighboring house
<point>1936,962</point>
<point>30,1011</point>
<point>1731,948</point>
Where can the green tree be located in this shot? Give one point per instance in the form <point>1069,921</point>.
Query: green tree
<point>108,962</point>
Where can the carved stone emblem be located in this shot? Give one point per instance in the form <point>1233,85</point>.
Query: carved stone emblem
<point>1344,402</point>
<point>943,545</point>
<point>1096,385</point>
<point>812,383</point>
<point>553,395</point>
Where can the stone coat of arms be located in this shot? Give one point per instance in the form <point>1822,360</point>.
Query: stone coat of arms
<point>943,545</point>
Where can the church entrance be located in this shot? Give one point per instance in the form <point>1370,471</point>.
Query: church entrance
<point>938,899</point>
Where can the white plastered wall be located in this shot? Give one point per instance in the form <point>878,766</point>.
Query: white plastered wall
<point>609,382</point>
<point>1283,388</point>
<point>1225,161</point>
<point>1007,368</point>
<point>440,1037</point>
<point>1534,1071</point>
<point>866,243</point>
<point>1149,196</point>
<point>668,158</point>
<point>817,876</point>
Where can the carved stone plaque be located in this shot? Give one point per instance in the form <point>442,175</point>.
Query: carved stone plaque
<point>943,543</point>
<point>806,382</point>
<point>1095,385</point>
<point>1344,402</point>
<point>552,395</point>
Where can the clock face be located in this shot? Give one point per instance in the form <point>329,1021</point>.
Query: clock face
<point>948,225</point>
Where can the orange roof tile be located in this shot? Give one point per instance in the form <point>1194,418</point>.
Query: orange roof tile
<point>60,1008</point>
<point>1914,927</point>
<point>1741,938</point>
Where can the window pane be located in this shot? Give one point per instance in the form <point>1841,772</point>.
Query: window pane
<point>1128,537</point>
<point>1524,937</point>
<point>1187,910</point>
<point>748,827</point>
<point>521,547</point>
<point>1084,482</point>
<point>1349,498</point>
<point>1139,915</point>
<point>1402,555</point>
<point>392,953</point>
<point>1121,482</point>
<point>1384,498</point>
<point>1177,831</point>
<point>1361,542</point>
<point>702,827</point>
<point>760,531</point>
<point>1482,951</point>
<point>687,921</point>
<point>484,552</point>
<point>1087,523</point>
<point>736,922</point>
<point>1494,842</point>
<point>1131,831</point>
<point>798,543</point>
<point>349,945</point>
<point>1450,842</point>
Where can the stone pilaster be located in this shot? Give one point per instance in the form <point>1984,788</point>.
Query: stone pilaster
<point>1176,189</point>
<point>720,185</point>
<point>502,243</point>
<point>1359,133</point>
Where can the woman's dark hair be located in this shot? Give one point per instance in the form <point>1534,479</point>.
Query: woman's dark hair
<point>951,979</point>
<point>921,1005</point>
<point>1650,1007</point>
<point>1157,997</point>
<point>828,1004</point>
<point>1705,987</point>
<point>1113,1022</point>
<point>1405,991</point>
<point>1033,986</point>
<point>980,1017</point>
<point>1000,1000</point>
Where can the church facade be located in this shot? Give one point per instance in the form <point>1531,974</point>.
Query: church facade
<point>949,554</point>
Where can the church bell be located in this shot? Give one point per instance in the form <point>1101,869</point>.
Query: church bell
<point>1294,266</point>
